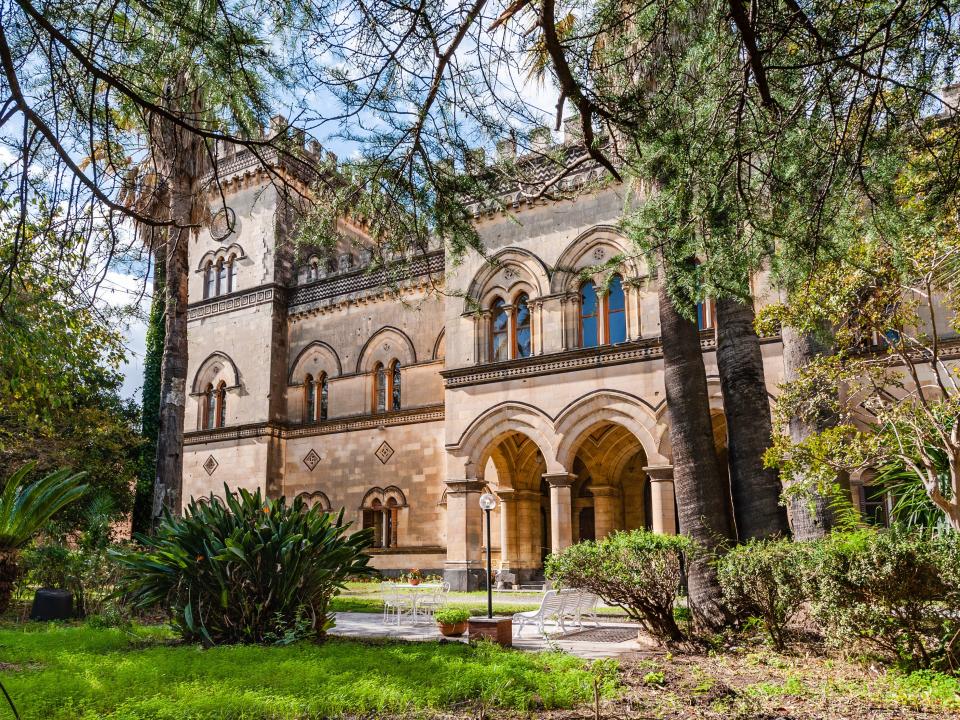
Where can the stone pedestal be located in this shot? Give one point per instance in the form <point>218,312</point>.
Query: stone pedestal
<point>497,629</point>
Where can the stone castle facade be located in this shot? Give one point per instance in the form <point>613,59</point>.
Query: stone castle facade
<point>307,376</point>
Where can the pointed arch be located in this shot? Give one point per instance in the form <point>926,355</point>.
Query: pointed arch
<point>482,435</point>
<point>575,421</point>
<point>385,345</point>
<point>218,366</point>
<point>440,345</point>
<point>593,247</point>
<point>327,361</point>
<point>509,267</point>
<point>317,497</point>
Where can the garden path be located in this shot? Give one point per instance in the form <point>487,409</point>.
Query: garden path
<point>611,639</point>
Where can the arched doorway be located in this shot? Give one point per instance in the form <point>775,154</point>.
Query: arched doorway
<point>513,470</point>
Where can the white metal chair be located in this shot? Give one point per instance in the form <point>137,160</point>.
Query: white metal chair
<point>394,602</point>
<point>551,606</point>
<point>434,601</point>
<point>581,604</point>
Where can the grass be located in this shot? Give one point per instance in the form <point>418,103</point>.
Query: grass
<point>74,672</point>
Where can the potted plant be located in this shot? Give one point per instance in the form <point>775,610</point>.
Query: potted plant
<point>414,576</point>
<point>452,621</point>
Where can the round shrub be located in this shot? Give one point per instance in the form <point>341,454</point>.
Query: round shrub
<point>766,579</point>
<point>246,569</point>
<point>639,571</point>
<point>897,589</point>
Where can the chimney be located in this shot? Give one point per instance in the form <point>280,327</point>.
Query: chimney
<point>314,148</point>
<point>475,159</point>
<point>507,148</point>
<point>540,139</point>
<point>951,99</point>
<point>278,125</point>
<point>572,130</point>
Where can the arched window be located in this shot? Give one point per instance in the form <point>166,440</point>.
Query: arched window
<point>310,399</point>
<point>522,325</point>
<point>379,388</point>
<point>616,311</point>
<point>383,521</point>
<point>499,331</point>
<point>222,277</point>
<point>209,408</point>
<point>589,315</point>
<point>221,404</point>
<point>395,385</point>
<point>209,281</point>
<point>232,281</point>
<point>323,397</point>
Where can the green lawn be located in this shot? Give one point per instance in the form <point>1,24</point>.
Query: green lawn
<point>78,673</point>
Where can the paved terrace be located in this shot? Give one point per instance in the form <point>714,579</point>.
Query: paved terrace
<point>611,639</point>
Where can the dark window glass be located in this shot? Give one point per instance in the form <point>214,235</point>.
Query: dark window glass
<point>616,315</point>
<point>500,328</point>
<point>588,315</point>
<point>232,284</point>
<point>210,417</point>
<point>210,285</point>
<point>395,386</point>
<point>221,278</point>
<point>222,405</point>
<point>323,397</point>
<point>311,399</point>
<point>380,380</point>
<point>523,327</point>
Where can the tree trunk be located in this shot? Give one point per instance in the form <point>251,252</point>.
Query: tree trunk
<point>755,489</point>
<point>702,493</point>
<point>9,574</point>
<point>183,160</point>
<point>168,488</point>
<point>810,515</point>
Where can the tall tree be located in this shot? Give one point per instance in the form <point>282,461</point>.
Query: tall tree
<point>703,497</point>
<point>755,489</point>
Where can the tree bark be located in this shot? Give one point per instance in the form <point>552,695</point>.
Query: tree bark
<point>702,492</point>
<point>810,516</point>
<point>755,489</point>
<point>183,159</point>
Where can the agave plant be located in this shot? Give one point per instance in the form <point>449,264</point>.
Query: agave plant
<point>24,509</point>
<point>245,568</point>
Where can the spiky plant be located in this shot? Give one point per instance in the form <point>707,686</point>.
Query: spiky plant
<point>24,509</point>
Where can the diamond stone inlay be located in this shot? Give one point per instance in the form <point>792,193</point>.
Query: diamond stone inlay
<point>211,465</point>
<point>384,452</point>
<point>311,459</point>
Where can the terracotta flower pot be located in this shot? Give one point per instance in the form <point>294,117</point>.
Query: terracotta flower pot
<point>414,581</point>
<point>454,630</point>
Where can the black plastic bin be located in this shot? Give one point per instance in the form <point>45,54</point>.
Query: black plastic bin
<point>50,604</point>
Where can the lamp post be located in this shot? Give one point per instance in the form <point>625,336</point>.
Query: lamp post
<point>487,503</point>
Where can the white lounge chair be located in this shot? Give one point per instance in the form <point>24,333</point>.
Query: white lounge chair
<point>551,606</point>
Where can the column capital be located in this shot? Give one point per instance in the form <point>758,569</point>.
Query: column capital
<point>659,473</point>
<point>559,479</point>
<point>506,494</point>
<point>464,487</point>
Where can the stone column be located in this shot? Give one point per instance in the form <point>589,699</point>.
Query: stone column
<point>605,509</point>
<point>508,308</point>
<point>526,549</point>
<point>463,568</point>
<point>561,509</point>
<point>536,327</point>
<point>508,508</point>
<point>664,518</point>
